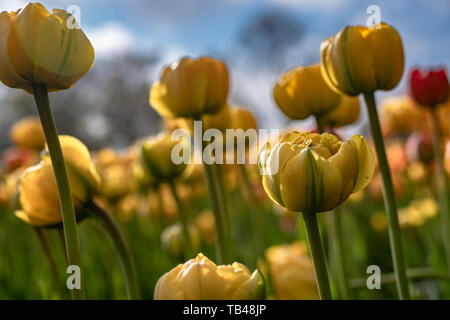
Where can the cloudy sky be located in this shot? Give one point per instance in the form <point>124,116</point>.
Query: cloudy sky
<point>175,28</point>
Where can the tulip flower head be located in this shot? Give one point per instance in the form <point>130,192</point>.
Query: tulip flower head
<point>310,172</point>
<point>37,46</point>
<point>202,279</point>
<point>345,113</point>
<point>302,92</point>
<point>401,115</point>
<point>156,156</point>
<point>172,239</point>
<point>292,272</point>
<point>116,171</point>
<point>360,59</point>
<point>190,88</point>
<point>429,88</point>
<point>38,194</point>
<point>28,133</point>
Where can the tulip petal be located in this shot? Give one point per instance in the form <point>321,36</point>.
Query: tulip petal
<point>8,74</point>
<point>366,163</point>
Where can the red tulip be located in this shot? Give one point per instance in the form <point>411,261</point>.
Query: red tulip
<point>14,158</point>
<point>429,88</point>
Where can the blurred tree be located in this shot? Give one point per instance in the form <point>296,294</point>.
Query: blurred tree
<point>269,35</point>
<point>109,107</point>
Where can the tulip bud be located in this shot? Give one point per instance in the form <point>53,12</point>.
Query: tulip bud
<point>28,133</point>
<point>310,172</point>
<point>14,158</point>
<point>37,46</point>
<point>429,88</point>
<point>190,88</point>
<point>345,113</point>
<point>202,279</point>
<point>143,178</point>
<point>172,239</point>
<point>292,272</point>
<point>206,224</point>
<point>156,155</point>
<point>38,194</point>
<point>302,92</point>
<point>116,171</point>
<point>401,115</point>
<point>419,147</point>
<point>220,121</point>
<point>360,59</point>
<point>8,187</point>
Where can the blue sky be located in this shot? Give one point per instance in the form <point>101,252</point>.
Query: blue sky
<point>175,28</point>
<point>195,26</point>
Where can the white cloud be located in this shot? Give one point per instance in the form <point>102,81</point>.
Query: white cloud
<point>111,38</point>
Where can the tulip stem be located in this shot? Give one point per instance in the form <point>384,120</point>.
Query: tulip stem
<point>254,214</point>
<point>43,239</point>
<point>389,199</point>
<point>188,250</point>
<point>222,249</point>
<point>62,181</point>
<point>318,258</point>
<point>337,241</point>
<point>224,199</point>
<point>442,186</point>
<point>126,259</point>
<point>338,245</point>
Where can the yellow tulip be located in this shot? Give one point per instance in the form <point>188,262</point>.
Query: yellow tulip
<point>37,46</point>
<point>38,194</point>
<point>242,119</point>
<point>172,239</point>
<point>292,272</point>
<point>8,187</point>
<point>206,223</point>
<point>302,92</point>
<point>310,172</point>
<point>220,121</point>
<point>143,178</point>
<point>190,88</point>
<point>346,112</point>
<point>402,115</point>
<point>116,171</point>
<point>28,133</point>
<point>156,155</point>
<point>418,212</point>
<point>361,60</point>
<point>202,279</point>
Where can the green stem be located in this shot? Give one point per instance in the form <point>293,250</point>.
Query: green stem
<point>319,124</point>
<point>223,255</point>
<point>442,186</point>
<point>338,246</point>
<point>160,208</point>
<point>413,273</point>
<point>255,216</point>
<point>188,250</point>
<point>222,249</point>
<point>225,201</point>
<point>62,181</point>
<point>318,258</point>
<point>50,257</point>
<point>62,240</point>
<point>389,200</point>
<point>337,241</point>
<point>126,259</point>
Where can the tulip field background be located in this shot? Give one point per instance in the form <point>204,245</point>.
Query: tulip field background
<point>108,110</point>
